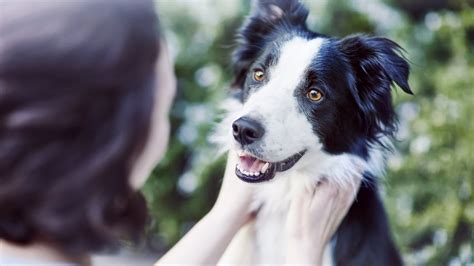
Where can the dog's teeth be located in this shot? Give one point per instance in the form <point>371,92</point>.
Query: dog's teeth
<point>265,168</point>
<point>247,172</point>
<point>240,153</point>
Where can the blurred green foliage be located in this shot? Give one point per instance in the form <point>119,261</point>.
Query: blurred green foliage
<point>428,190</point>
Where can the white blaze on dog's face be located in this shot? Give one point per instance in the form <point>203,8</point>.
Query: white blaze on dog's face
<point>271,106</point>
<point>272,102</point>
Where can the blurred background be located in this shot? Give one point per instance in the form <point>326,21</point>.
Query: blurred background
<point>428,190</point>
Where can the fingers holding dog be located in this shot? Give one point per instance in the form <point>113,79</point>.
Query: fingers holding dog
<point>314,217</point>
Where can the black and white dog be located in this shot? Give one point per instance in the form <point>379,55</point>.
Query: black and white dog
<point>312,106</point>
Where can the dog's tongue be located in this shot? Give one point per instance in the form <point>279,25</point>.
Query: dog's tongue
<point>251,164</point>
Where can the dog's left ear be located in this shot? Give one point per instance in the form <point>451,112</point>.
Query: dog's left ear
<point>265,19</point>
<point>377,58</point>
<point>377,63</point>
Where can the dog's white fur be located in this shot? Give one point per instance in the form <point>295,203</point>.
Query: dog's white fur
<point>275,107</point>
<point>287,132</point>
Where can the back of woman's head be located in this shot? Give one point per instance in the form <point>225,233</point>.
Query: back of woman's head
<point>76,94</point>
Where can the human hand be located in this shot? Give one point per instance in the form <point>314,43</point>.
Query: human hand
<point>235,196</point>
<point>314,217</point>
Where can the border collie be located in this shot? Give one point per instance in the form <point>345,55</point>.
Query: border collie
<point>310,106</point>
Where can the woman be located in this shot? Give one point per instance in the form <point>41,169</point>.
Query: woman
<point>85,91</point>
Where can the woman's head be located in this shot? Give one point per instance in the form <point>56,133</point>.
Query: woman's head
<point>76,101</point>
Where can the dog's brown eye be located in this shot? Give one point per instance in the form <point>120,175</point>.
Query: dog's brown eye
<point>315,95</point>
<point>258,75</point>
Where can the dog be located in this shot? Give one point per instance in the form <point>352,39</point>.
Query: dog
<point>308,106</point>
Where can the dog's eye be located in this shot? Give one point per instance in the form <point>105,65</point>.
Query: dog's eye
<point>258,75</point>
<point>315,95</point>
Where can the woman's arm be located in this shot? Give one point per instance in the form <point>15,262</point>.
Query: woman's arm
<point>205,243</point>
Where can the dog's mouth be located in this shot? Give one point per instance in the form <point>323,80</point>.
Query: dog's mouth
<point>253,170</point>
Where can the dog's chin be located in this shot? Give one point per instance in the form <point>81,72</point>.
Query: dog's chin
<point>254,170</point>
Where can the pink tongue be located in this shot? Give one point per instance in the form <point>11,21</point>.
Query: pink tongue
<point>251,164</point>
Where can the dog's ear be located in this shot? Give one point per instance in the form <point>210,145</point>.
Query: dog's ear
<point>377,64</point>
<point>266,17</point>
<point>276,11</point>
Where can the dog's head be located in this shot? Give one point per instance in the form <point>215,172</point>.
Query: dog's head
<point>305,93</point>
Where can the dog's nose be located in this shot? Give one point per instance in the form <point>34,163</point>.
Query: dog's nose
<point>247,130</point>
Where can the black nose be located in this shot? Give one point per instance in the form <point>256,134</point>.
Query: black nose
<point>247,130</point>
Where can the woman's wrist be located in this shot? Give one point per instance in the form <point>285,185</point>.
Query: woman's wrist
<point>233,215</point>
<point>213,233</point>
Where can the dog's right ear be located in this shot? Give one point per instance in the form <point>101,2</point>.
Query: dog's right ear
<point>276,11</point>
<point>266,17</point>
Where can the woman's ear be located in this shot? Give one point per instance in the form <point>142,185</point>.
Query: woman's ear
<point>266,17</point>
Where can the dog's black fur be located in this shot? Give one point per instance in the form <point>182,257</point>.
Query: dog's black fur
<point>364,67</point>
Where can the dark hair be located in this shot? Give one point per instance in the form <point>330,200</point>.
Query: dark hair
<point>76,96</point>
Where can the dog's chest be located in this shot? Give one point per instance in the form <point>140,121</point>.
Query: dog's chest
<point>270,234</point>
